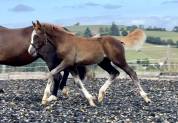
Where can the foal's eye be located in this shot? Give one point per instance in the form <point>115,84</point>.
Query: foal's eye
<point>36,37</point>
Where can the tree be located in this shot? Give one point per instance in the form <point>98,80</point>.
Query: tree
<point>77,24</point>
<point>175,29</point>
<point>114,29</point>
<point>124,33</point>
<point>170,42</point>
<point>141,26</point>
<point>177,44</point>
<point>106,31</point>
<point>101,30</point>
<point>87,32</point>
<point>131,28</point>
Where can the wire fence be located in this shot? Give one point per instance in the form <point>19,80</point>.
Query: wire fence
<point>142,67</point>
<point>138,65</point>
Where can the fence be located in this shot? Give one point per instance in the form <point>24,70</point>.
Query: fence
<point>38,69</point>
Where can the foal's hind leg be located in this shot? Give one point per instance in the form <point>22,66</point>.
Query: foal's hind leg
<point>81,72</point>
<point>79,83</point>
<point>134,78</point>
<point>106,65</point>
<point>63,87</point>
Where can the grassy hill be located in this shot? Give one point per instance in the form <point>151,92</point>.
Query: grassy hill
<point>81,28</point>
<point>95,28</point>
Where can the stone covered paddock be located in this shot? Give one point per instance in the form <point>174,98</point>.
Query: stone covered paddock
<point>21,102</point>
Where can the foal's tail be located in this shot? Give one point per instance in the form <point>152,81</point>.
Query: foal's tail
<point>135,39</point>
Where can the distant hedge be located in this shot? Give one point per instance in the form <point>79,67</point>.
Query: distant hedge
<point>159,41</point>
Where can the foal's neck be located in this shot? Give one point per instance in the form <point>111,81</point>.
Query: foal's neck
<point>58,37</point>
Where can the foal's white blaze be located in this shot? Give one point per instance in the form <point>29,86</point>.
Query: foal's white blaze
<point>31,49</point>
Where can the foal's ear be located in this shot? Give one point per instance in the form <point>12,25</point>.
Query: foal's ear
<point>34,25</point>
<point>38,24</point>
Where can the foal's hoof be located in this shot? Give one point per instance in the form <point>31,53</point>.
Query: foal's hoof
<point>147,100</point>
<point>91,102</point>
<point>101,96</point>
<point>65,91</point>
<point>44,102</point>
<point>52,98</point>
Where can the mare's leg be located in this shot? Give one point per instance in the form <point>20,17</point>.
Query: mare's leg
<point>113,73</point>
<point>79,83</point>
<point>124,66</point>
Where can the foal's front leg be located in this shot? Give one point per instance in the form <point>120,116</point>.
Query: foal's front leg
<point>47,92</point>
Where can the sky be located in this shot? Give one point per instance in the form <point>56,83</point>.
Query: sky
<point>20,13</point>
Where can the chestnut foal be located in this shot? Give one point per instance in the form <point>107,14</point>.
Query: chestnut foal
<point>75,51</point>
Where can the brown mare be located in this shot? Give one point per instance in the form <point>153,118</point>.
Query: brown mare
<point>76,51</point>
<point>14,45</point>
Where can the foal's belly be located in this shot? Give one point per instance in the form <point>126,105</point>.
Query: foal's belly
<point>88,58</point>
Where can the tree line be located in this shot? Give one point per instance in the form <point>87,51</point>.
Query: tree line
<point>159,41</point>
<point>113,30</point>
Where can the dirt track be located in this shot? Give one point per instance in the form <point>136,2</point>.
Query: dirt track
<point>22,98</point>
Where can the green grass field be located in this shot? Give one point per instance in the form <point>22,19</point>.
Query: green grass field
<point>155,52</point>
<point>163,34</point>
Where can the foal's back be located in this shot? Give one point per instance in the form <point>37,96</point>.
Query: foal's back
<point>93,50</point>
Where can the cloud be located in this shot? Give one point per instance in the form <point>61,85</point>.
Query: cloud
<point>170,2</point>
<point>91,4</point>
<point>110,6</point>
<point>21,8</point>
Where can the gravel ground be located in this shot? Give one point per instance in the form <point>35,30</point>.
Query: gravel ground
<point>22,98</point>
